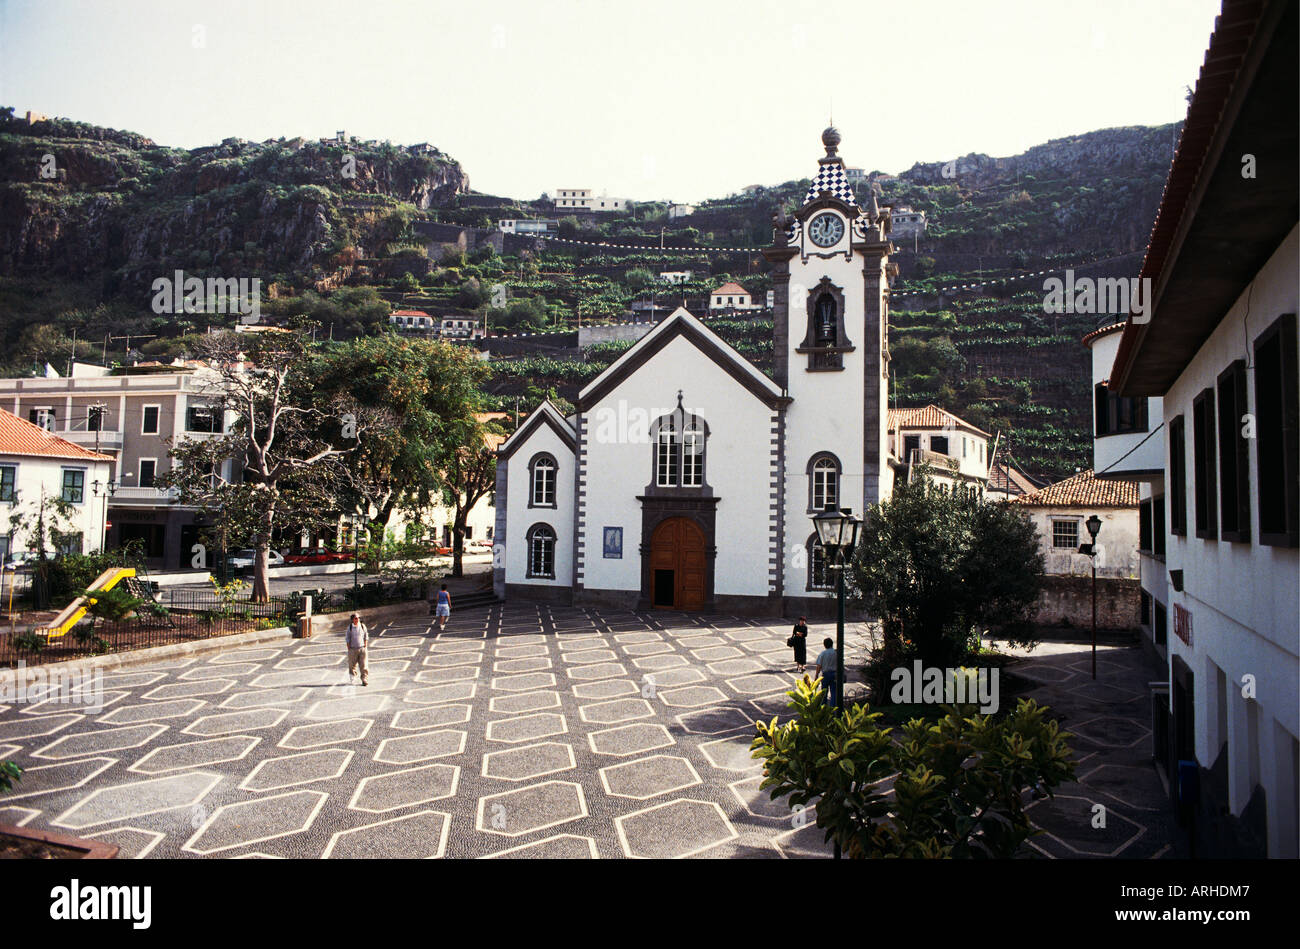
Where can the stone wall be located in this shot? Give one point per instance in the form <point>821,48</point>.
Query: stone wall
<point>1067,601</point>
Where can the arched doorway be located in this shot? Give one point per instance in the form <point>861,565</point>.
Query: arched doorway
<point>678,565</point>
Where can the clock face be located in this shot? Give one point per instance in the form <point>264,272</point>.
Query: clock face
<point>826,229</point>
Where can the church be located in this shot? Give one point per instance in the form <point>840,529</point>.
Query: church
<point>686,478</point>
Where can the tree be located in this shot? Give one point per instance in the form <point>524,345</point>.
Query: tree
<point>50,527</point>
<point>282,438</point>
<point>935,565</point>
<point>471,474</point>
<point>959,784</point>
<point>421,396</point>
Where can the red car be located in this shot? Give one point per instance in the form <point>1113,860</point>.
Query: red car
<point>317,555</point>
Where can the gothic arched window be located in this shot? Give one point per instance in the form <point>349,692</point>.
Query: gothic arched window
<point>542,471</point>
<point>820,576</point>
<point>823,481</point>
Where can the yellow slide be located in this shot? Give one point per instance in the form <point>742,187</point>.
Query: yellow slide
<point>77,608</point>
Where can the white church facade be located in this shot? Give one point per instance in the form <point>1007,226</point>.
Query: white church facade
<point>686,478</point>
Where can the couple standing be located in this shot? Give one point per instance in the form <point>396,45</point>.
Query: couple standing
<point>827,660</point>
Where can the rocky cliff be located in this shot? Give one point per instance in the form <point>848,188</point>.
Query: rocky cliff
<point>85,202</point>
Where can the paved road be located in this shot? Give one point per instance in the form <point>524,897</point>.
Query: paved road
<point>522,730</point>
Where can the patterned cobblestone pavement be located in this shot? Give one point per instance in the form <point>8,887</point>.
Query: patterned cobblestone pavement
<point>521,731</point>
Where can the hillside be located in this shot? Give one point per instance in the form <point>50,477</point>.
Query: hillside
<point>337,232</point>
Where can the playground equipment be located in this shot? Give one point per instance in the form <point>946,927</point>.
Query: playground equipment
<point>75,610</point>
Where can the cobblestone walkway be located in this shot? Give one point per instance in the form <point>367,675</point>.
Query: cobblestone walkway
<point>523,730</point>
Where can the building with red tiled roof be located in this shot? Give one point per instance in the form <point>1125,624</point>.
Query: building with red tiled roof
<point>36,464</point>
<point>731,296</point>
<point>1060,512</point>
<point>954,451</point>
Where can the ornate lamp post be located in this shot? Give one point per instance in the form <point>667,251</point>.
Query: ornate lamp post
<point>1093,524</point>
<point>837,531</point>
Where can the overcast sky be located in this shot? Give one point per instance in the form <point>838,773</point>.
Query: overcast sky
<point>676,99</point>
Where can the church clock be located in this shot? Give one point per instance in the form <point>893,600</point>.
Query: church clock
<point>826,229</point>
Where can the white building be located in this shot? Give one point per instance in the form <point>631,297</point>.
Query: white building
<point>34,463</point>
<point>460,327</point>
<point>675,276</point>
<point>906,222</point>
<point>954,452</point>
<point>1059,512</point>
<point>680,210</point>
<point>731,296</point>
<point>411,320</point>
<point>1219,348</point>
<point>686,478</point>
<point>581,199</point>
<point>527,226</point>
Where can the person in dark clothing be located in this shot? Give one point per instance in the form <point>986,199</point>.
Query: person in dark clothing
<point>799,639</point>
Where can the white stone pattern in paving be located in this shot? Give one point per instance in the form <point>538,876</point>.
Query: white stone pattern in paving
<point>520,731</point>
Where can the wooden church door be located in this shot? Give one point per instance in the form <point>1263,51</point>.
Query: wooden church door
<point>677,565</point>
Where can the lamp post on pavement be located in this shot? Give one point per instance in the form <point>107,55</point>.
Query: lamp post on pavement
<point>837,531</point>
<point>1093,524</point>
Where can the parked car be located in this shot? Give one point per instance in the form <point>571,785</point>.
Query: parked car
<point>311,556</point>
<point>18,559</point>
<point>244,559</point>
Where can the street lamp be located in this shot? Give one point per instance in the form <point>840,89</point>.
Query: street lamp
<point>1093,524</point>
<point>837,531</point>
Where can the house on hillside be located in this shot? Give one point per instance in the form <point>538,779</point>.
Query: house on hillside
<point>581,199</point>
<point>411,321</point>
<point>954,452</point>
<point>1218,346</point>
<point>731,298</point>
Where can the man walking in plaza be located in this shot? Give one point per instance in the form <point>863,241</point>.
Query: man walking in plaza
<point>827,662</point>
<point>358,640</point>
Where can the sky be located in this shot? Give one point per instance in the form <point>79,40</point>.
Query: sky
<point>665,100</point>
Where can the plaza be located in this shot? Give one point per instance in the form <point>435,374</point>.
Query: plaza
<point>523,730</point>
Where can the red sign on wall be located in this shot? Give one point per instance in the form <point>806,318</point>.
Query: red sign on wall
<point>1183,624</point>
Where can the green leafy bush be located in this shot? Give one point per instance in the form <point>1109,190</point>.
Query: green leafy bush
<point>958,786</point>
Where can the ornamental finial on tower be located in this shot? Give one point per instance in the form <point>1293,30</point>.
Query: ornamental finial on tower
<point>831,139</point>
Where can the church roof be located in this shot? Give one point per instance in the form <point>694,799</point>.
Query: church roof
<point>682,323</point>
<point>544,414</point>
<point>929,416</point>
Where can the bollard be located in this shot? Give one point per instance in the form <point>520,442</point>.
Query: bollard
<point>304,621</point>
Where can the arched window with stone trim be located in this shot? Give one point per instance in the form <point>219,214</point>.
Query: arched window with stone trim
<point>541,552</point>
<point>820,575</point>
<point>823,481</point>
<point>679,442</point>
<point>542,472</point>
<point>826,340</point>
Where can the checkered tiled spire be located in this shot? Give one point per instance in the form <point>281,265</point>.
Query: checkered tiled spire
<point>831,176</point>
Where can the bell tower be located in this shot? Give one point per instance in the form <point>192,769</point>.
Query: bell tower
<point>830,279</point>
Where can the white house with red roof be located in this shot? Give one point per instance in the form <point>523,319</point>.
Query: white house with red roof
<point>954,452</point>
<point>34,463</point>
<point>731,296</point>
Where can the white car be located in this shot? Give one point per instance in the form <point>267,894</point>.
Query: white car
<point>244,559</point>
<point>19,559</point>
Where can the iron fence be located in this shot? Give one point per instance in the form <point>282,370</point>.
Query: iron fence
<point>98,637</point>
<point>207,601</point>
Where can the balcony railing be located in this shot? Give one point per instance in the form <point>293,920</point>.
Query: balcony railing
<point>105,441</point>
<point>133,494</point>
